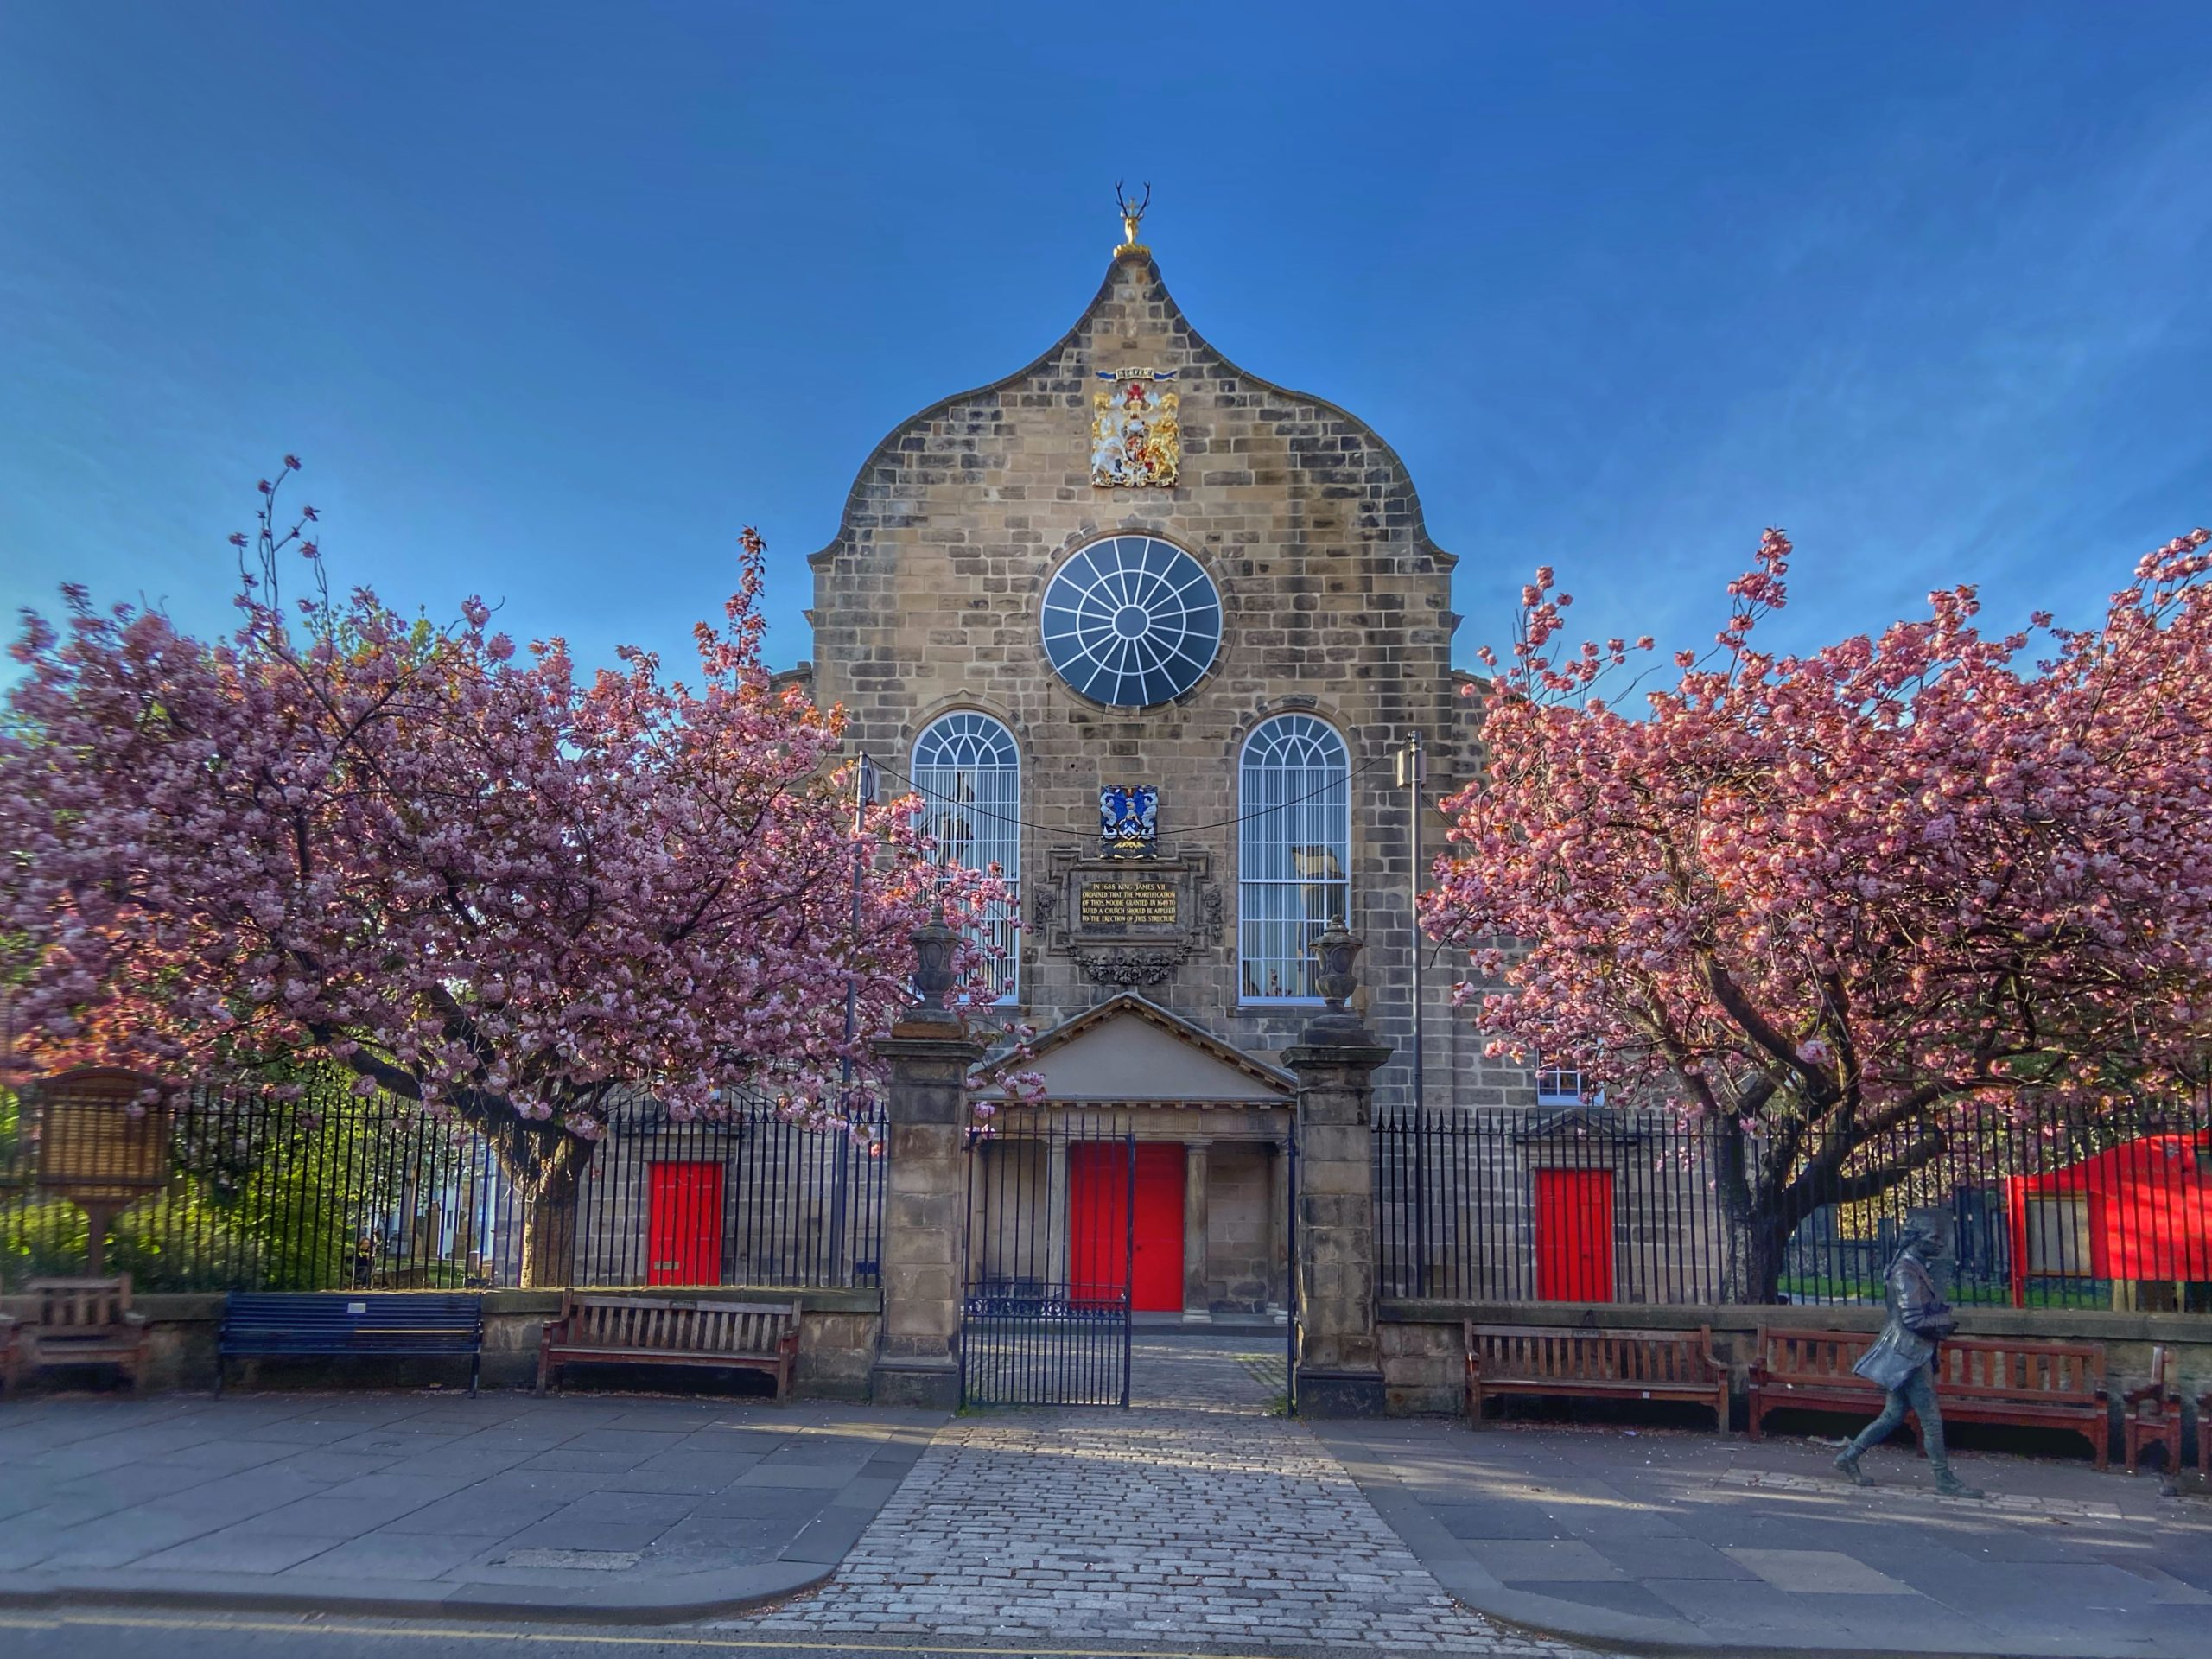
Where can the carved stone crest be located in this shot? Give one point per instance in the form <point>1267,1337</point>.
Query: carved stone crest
<point>1136,429</point>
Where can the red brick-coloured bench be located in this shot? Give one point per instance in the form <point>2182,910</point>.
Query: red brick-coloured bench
<point>2151,1415</point>
<point>1551,1360</point>
<point>2019,1380</point>
<point>660,1330</point>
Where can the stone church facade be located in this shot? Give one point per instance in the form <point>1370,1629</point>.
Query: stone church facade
<point>1135,570</point>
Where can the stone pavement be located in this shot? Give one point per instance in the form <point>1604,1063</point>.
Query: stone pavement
<point>1195,1516</point>
<point>427,1502</point>
<point>1684,1537</point>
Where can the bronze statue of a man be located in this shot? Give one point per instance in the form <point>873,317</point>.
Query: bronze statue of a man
<point>1901,1358</point>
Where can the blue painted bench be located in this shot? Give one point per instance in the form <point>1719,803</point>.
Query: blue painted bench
<point>267,1324</point>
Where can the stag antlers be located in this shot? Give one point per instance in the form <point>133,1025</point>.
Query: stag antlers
<point>1132,213</point>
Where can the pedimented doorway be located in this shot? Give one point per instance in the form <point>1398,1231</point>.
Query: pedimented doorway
<point>1150,1187</point>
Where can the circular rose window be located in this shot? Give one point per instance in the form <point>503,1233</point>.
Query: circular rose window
<point>1132,621</point>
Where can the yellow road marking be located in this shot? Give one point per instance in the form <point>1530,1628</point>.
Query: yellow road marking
<point>310,1624</point>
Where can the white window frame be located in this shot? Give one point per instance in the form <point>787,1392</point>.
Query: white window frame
<point>967,768</point>
<point>1558,1085</point>
<point>1561,1083</point>
<point>1294,792</point>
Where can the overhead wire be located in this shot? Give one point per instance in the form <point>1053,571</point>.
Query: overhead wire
<point>976,810</point>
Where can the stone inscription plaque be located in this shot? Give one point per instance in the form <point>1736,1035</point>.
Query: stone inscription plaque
<point>1116,905</point>
<point>1125,923</point>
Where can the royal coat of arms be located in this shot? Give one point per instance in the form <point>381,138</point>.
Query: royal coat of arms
<point>1129,817</point>
<point>1136,431</point>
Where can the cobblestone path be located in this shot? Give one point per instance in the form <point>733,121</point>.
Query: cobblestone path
<point>1203,1521</point>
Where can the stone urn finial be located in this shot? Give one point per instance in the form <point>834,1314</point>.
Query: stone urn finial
<point>933,946</point>
<point>1337,1026</point>
<point>1337,946</point>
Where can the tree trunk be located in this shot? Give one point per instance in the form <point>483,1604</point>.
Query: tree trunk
<point>1761,1240</point>
<point>1760,1215</point>
<point>546,1165</point>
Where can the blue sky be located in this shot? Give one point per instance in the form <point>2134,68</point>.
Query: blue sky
<point>553,299</point>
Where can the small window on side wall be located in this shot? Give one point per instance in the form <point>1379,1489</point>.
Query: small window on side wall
<point>1558,1084</point>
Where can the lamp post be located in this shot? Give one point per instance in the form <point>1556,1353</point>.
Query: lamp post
<point>1412,772</point>
<point>863,794</point>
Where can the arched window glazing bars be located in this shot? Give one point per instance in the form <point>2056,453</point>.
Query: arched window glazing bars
<point>969,773</point>
<point>1293,854</point>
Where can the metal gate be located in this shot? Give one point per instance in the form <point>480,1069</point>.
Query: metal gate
<point>1050,1252</point>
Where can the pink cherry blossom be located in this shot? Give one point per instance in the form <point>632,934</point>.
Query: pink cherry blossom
<point>484,882</point>
<point>1837,895</point>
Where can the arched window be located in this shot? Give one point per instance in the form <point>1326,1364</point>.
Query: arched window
<point>968,774</point>
<point>1294,852</point>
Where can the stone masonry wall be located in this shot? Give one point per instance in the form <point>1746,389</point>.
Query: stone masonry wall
<point>836,1343</point>
<point>1336,603</point>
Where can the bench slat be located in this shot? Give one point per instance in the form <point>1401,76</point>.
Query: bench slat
<point>657,1330</point>
<point>1978,1379</point>
<point>1627,1364</point>
<point>275,1324</point>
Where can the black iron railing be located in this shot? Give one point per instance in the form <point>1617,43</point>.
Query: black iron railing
<point>331,1191</point>
<point>1050,1253</point>
<point>2050,1207</point>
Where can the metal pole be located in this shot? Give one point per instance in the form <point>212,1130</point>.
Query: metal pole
<point>1413,770</point>
<point>863,793</point>
<point>1290,1261</point>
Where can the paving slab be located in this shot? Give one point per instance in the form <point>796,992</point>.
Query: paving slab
<point>1678,1539</point>
<point>424,1503</point>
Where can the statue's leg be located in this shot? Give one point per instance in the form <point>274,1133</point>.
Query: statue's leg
<point>1920,1388</point>
<point>1874,1434</point>
<point>1919,1393</point>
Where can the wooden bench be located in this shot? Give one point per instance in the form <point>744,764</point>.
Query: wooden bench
<point>1536,1359</point>
<point>660,1330</point>
<point>2151,1415</point>
<point>75,1322</point>
<point>2013,1380</point>
<point>274,1325</point>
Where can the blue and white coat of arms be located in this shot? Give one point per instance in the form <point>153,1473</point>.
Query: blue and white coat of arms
<point>1129,817</point>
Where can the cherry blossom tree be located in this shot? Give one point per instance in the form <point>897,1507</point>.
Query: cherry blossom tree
<point>1824,902</point>
<point>493,887</point>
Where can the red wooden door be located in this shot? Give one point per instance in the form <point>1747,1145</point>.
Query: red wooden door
<point>1574,1235</point>
<point>1159,1228</point>
<point>683,1232</point>
<point>1099,1263</point>
<point>1098,1221</point>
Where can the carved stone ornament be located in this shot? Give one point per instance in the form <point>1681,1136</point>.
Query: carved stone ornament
<point>1136,429</point>
<point>1126,969</point>
<point>933,946</point>
<point>1128,922</point>
<point>1336,948</point>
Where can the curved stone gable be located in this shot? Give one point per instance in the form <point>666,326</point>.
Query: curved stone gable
<point>971,434</point>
